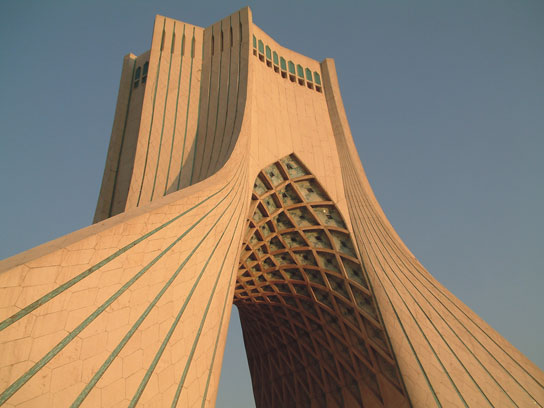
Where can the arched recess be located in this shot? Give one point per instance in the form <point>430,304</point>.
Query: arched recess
<point>312,329</point>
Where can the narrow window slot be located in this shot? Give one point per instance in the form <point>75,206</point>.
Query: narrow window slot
<point>144,73</point>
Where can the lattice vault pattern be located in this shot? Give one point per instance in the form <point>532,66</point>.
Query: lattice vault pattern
<point>312,329</point>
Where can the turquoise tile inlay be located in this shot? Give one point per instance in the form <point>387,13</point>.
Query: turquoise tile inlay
<point>90,385</point>
<point>188,106</point>
<point>199,332</point>
<point>164,114</point>
<point>176,114</point>
<point>55,292</point>
<point>14,387</point>
<point>165,341</point>
<point>152,117</point>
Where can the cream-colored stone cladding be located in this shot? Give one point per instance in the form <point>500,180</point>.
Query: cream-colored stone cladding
<point>151,148</point>
<point>134,309</point>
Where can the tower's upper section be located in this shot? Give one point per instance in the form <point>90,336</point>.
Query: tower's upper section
<point>181,106</point>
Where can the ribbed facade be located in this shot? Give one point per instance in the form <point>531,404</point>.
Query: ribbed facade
<point>232,178</point>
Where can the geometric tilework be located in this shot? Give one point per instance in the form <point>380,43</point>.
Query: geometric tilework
<point>313,333</point>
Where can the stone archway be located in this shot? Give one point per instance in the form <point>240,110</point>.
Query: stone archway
<point>312,329</point>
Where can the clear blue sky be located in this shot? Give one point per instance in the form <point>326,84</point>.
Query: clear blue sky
<point>445,101</point>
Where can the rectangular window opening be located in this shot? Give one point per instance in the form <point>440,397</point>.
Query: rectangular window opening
<point>318,88</point>
<point>310,85</point>
<point>268,64</point>
<point>301,81</point>
<point>283,74</point>
<point>292,78</point>
<point>261,57</point>
<point>276,69</point>
<point>255,52</point>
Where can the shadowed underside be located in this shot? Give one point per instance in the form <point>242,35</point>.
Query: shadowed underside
<point>312,330</point>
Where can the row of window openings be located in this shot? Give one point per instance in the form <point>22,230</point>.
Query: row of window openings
<point>287,67</point>
<point>143,73</point>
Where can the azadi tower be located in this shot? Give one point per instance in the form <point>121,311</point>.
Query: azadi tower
<point>232,178</point>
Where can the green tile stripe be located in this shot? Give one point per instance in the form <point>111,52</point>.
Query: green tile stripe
<point>237,88</point>
<point>438,289</point>
<point>199,332</point>
<point>221,320</point>
<point>181,53</point>
<point>166,339</point>
<point>385,235</point>
<point>187,113</point>
<point>55,292</point>
<point>347,181</point>
<point>122,139</point>
<point>360,218</point>
<point>394,244</point>
<point>228,100</point>
<point>14,387</point>
<point>207,110</point>
<point>379,231</point>
<point>152,115</point>
<point>100,372</point>
<point>399,321</point>
<point>228,291</point>
<point>216,111</point>
<point>353,212</point>
<point>423,332</point>
<point>164,112</point>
